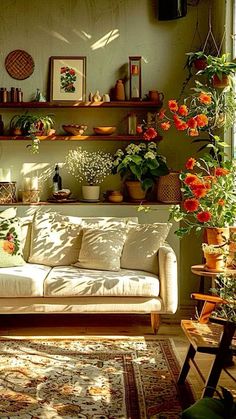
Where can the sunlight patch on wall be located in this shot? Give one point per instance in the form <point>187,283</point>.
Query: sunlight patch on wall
<point>106,39</point>
<point>82,34</point>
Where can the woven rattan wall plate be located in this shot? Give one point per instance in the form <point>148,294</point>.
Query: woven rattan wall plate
<point>19,64</point>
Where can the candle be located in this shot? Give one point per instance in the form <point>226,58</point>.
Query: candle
<point>5,175</point>
<point>27,184</point>
<point>34,183</point>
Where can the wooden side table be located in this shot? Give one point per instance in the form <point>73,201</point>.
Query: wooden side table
<point>200,271</point>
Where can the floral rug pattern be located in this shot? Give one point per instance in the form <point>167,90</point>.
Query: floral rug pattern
<point>90,378</point>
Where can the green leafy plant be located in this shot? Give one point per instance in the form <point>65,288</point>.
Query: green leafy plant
<point>218,66</point>
<point>32,126</point>
<point>140,162</point>
<point>225,287</point>
<point>197,59</point>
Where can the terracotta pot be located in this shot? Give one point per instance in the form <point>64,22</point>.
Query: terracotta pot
<point>135,191</point>
<point>216,235</point>
<point>214,262</point>
<point>220,83</point>
<point>200,64</point>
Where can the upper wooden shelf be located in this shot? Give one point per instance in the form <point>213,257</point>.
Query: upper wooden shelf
<point>91,105</point>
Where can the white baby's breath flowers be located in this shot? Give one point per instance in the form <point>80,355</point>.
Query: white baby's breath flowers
<point>91,167</point>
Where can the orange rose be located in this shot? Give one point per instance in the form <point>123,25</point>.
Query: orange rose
<point>8,247</point>
<point>190,178</point>
<point>165,125</point>
<point>190,163</point>
<point>220,171</point>
<point>193,132</point>
<point>202,120</point>
<point>173,105</point>
<point>183,110</point>
<point>205,98</point>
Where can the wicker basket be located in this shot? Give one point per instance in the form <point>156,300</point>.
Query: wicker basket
<point>168,188</point>
<point>7,192</point>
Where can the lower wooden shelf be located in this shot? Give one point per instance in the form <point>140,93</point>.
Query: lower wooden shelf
<point>74,138</point>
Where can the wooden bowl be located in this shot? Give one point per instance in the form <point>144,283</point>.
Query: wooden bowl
<point>74,129</point>
<point>104,130</point>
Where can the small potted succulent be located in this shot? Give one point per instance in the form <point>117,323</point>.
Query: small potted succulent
<point>215,256</point>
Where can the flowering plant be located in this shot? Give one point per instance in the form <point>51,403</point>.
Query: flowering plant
<point>92,167</point>
<point>140,162</point>
<point>207,109</point>
<point>209,195</point>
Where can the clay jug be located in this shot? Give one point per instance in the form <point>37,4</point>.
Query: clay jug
<point>119,90</point>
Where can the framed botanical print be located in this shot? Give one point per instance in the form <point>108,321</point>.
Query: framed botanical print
<point>67,79</point>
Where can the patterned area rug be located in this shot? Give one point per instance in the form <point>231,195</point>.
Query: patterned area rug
<point>90,378</point>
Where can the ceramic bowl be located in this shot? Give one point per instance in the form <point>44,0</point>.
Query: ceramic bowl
<point>74,129</point>
<point>62,194</point>
<point>104,130</point>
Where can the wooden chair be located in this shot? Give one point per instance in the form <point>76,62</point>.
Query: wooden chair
<point>211,336</point>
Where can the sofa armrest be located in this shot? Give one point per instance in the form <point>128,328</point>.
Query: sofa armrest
<point>168,278</point>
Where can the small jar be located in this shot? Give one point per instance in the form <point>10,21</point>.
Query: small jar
<point>132,124</point>
<point>115,196</point>
<point>119,90</point>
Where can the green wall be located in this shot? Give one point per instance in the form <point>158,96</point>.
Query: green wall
<point>47,28</point>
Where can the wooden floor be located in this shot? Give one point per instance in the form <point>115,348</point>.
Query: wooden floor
<point>109,325</point>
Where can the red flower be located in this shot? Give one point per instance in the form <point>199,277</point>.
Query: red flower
<point>165,125</point>
<point>220,171</point>
<point>191,204</point>
<point>192,123</point>
<point>72,72</point>
<point>190,178</point>
<point>150,134</point>
<point>193,132</point>
<point>173,105</point>
<point>183,110</point>
<point>202,120</point>
<point>190,163</point>
<point>205,98</point>
<point>204,216</point>
<point>161,114</point>
<point>179,123</point>
<point>139,129</point>
<point>198,189</point>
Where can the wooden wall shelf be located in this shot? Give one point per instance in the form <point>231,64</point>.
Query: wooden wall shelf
<point>74,138</point>
<point>90,105</point>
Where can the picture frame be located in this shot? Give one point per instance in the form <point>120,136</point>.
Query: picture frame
<point>67,79</point>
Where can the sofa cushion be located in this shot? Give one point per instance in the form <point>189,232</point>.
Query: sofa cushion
<point>69,281</point>
<point>26,231</point>
<point>54,240</point>
<point>101,248</point>
<point>10,239</point>
<point>141,246</point>
<point>23,281</point>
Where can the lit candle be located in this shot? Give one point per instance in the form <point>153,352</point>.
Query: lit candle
<point>34,183</point>
<point>5,175</point>
<point>27,184</point>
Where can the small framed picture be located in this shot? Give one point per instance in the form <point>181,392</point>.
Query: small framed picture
<point>67,79</point>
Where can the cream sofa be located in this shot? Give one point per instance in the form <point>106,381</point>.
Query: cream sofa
<point>90,265</point>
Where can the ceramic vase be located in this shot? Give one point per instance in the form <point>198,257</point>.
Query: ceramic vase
<point>91,192</point>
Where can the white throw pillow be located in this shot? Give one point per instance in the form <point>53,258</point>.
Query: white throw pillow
<point>101,248</point>
<point>54,240</point>
<point>141,246</point>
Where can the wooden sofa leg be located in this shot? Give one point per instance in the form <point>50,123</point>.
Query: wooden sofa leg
<point>155,322</point>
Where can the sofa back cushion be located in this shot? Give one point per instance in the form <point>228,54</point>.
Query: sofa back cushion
<point>10,239</point>
<point>54,240</point>
<point>141,246</point>
<point>101,248</point>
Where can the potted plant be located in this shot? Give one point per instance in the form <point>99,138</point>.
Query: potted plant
<point>197,59</point>
<point>215,256</point>
<point>219,70</point>
<point>32,126</point>
<point>91,167</point>
<point>27,124</point>
<point>209,196</point>
<point>139,165</point>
